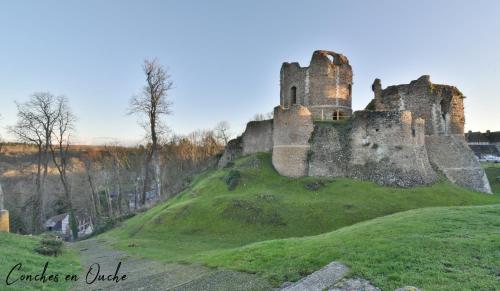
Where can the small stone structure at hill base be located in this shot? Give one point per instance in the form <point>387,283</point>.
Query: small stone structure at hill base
<point>4,214</point>
<point>405,135</point>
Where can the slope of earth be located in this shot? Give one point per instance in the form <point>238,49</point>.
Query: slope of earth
<point>438,248</point>
<point>208,216</point>
<point>15,249</point>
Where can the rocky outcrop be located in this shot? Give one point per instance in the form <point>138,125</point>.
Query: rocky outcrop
<point>331,277</point>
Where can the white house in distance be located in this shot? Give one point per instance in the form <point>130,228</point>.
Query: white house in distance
<point>60,224</point>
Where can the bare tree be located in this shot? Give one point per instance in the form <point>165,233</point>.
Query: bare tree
<point>35,124</point>
<point>260,116</point>
<point>151,105</point>
<point>89,160</point>
<point>63,128</point>
<point>222,131</point>
<point>119,162</point>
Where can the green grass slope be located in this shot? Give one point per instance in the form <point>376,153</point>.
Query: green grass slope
<point>16,249</point>
<point>264,206</point>
<point>493,173</point>
<point>454,248</point>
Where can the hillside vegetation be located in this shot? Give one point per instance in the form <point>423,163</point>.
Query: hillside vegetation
<point>16,249</point>
<point>208,219</point>
<point>454,248</point>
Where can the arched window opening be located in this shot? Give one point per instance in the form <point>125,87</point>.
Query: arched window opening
<point>350,90</point>
<point>444,112</point>
<point>293,95</point>
<point>337,115</point>
<point>443,109</point>
<point>330,57</point>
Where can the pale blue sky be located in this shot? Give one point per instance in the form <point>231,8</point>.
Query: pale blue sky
<point>225,56</point>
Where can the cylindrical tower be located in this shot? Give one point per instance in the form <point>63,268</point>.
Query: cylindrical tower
<point>325,87</point>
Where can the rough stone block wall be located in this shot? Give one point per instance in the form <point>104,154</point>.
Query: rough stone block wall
<point>330,79</point>
<point>441,106</point>
<point>4,220</point>
<point>291,133</point>
<point>324,87</point>
<point>330,149</point>
<point>292,75</point>
<point>451,155</point>
<point>233,150</point>
<point>258,137</point>
<point>387,149</point>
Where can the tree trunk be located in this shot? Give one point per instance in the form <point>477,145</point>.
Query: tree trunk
<point>93,199</point>
<point>146,176</point>
<point>37,216</point>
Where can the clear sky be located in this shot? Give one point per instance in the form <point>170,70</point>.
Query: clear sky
<point>225,56</point>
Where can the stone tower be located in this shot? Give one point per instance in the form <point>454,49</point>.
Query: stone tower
<point>325,87</point>
<point>4,214</point>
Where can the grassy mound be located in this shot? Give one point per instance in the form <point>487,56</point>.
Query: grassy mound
<point>211,215</point>
<point>16,249</point>
<point>454,248</point>
<point>493,173</point>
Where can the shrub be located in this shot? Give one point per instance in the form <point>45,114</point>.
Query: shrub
<point>229,165</point>
<point>232,179</point>
<point>50,245</point>
<point>315,185</point>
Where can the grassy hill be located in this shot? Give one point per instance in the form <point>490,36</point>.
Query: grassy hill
<point>16,249</point>
<point>493,172</point>
<point>207,220</point>
<point>453,248</point>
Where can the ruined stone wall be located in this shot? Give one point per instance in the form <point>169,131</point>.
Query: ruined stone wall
<point>388,149</point>
<point>325,87</point>
<point>330,149</point>
<point>293,76</point>
<point>441,106</point>
<point>291,134</point>
<point>258,137</point>
<point>4,214</point>
<point>451,155</point>
<point>4,220</point>
<point>233,150</point>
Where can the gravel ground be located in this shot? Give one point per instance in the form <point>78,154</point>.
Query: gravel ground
<point>146,274</point>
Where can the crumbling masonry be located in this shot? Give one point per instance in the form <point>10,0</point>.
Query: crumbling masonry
<point>4,214</point>
<point>406,134</point>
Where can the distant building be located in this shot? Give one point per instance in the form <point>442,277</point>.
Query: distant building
<point>60,224</point>
<point>484,144</point>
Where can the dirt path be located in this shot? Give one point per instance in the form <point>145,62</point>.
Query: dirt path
<point>146,274</point>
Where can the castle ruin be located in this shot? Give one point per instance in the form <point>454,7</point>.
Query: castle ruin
<point>404,137</point>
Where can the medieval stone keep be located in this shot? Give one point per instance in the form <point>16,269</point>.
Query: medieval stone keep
<point>406,135</point>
